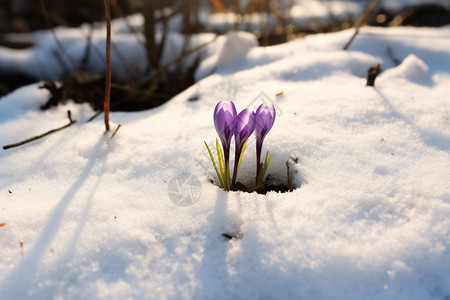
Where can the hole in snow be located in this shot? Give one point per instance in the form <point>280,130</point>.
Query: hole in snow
<point>281,180</point>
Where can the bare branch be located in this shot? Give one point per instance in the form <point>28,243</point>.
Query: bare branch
<point>69,115</point>
<point>361,21</point>
<point>108,62</point>
<point>115,131</point>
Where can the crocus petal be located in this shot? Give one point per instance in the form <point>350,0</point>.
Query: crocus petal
<point>264,118</point>
<point>224,117</point>
<point>245,125</point>
<point>225,123</point>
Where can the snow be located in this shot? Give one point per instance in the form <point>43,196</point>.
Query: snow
<point>229,49</point>
<point>370,218</point>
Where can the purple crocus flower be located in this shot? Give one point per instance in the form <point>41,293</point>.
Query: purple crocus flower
<point>264,119</point>
<point>225,123</point>
<point>245,125</point>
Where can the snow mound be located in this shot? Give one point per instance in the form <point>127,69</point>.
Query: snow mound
<point>412,68</point>
<point>234,47</point>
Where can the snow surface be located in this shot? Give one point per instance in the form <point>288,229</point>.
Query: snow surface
<point>370,219</point>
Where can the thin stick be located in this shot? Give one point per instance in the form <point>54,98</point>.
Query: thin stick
<point>94,116</point>
<point>41,135</point>
<point>108,63</point>
<point>115,131</point>
<point>113,106</point>
<point>361,20</point>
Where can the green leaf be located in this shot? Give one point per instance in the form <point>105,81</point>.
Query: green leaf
<point>266,165</point>
<point>240,157</point>
<point>261,174</point>
<point>222,166</point>
<point>214,163</point>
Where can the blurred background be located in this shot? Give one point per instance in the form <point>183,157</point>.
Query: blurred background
<point>27,15</point>
<point>173,34</point>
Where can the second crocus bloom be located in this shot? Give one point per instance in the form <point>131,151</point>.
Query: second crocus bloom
<point>245,125</point>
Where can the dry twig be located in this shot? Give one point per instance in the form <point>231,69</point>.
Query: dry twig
<point>372,74</point>
<point>108,63</point>
<point>42,135</point>
<point>115,131</point>
<point>361,21</point>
